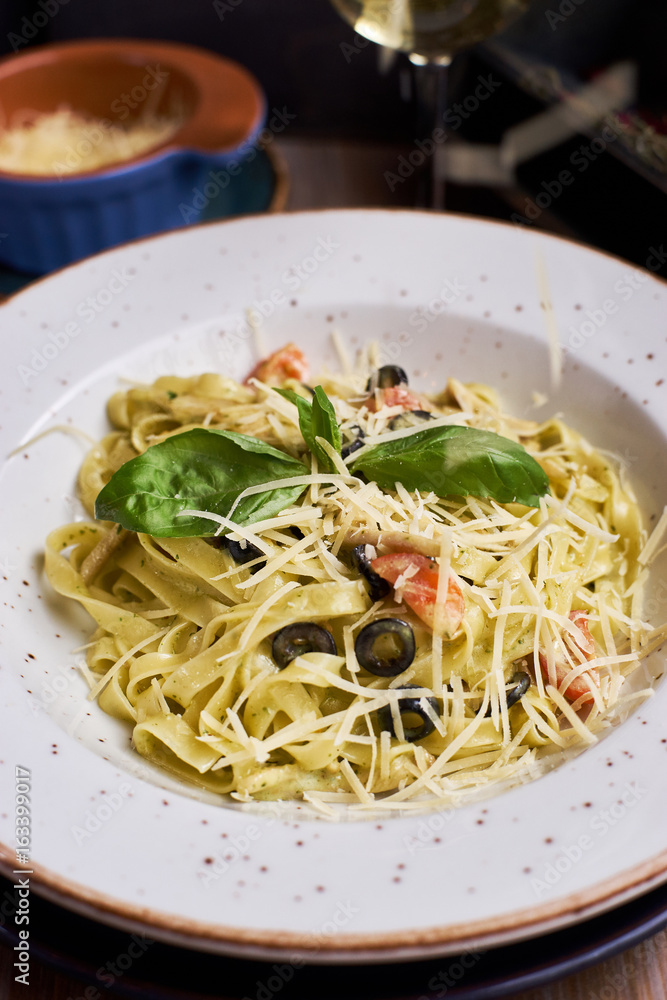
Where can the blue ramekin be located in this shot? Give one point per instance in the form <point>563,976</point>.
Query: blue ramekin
<point>48,222</point>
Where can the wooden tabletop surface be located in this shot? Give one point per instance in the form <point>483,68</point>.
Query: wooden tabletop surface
<point>331,174</point>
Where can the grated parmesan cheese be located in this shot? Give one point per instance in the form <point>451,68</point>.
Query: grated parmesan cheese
<point>65,142</point>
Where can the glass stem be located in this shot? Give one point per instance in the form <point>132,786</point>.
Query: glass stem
<point>430,82</point>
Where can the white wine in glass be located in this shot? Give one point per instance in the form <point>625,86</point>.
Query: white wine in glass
<point>429,30</point>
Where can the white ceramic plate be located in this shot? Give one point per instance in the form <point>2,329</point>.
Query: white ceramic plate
<point>444,295</point>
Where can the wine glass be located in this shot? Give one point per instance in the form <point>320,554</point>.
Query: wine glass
<point>431,32</point>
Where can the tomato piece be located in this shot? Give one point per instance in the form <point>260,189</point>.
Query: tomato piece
<point>286,362</point>
<point>418,578</point>
<point>586,643</point>
<point>395,395</point>
<point>579,687</point>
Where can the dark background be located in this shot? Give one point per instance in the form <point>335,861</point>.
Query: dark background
<point>296,48</point>
<point>309,61</point>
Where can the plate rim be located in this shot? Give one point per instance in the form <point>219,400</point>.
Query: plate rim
<point>519,925</point>
<point>282,212</point>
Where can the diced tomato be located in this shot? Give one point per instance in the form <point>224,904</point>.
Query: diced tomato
<point>419,588</point>
<point>287,362</point>
<point>395,395</point>
<point>579,687</point>
<point>586,643</point>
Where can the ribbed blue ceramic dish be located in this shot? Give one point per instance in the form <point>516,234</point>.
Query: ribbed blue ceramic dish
<point>48,222</point>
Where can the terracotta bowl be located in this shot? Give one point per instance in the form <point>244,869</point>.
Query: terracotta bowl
<point>50,221</point>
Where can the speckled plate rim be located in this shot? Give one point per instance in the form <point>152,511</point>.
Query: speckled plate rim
<point>347,948</point>
<point>436,938</point>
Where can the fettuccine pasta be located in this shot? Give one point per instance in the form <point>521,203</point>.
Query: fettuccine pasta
<point>526,621</point>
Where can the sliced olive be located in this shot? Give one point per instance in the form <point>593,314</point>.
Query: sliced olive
<point>385,647</point>
<point>516,688</point>
<point>387,377</point>
<point>377,587</point>
<point>409,418</point>
<point>407,705</point>
<point>299,638</point>
<point>238,553</point>
<point>241,552</point>
<point>354,439</point>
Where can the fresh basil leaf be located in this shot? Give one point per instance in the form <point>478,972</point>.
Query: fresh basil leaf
<point>316,419</point>
<point>325,424</point>
<point>456,461</point>
<point>200,469</point>
<point>305,408</point>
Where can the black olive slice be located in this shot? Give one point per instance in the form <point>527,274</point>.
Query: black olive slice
<point>385,647</point>
<point>240,552</point>
<point>387,377</point>
<point>356,440</point>
<point>514,690</point>
<point>377,587</point>
<point>298,638</point>
<point>409,418</point>
<point>407,705</point>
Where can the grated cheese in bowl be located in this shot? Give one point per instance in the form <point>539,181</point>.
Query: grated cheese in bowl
<point>65,142</point>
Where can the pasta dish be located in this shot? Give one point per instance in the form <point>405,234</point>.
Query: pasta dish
<point>354,592</point>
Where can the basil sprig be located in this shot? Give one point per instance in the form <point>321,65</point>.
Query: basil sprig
<point>208,469</point>
<point>317,418</point>
<point>456,461</point>
<point>200,469</point>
